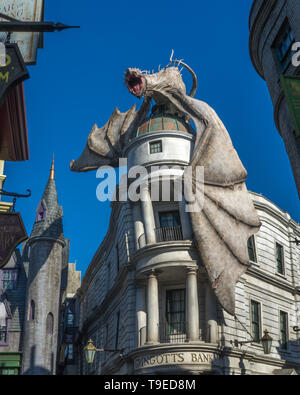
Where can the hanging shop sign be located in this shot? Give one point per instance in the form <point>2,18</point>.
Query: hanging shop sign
<point>27,11</point>
<point>12,233</point>
<point>291,88</point>
<point>12,70</point>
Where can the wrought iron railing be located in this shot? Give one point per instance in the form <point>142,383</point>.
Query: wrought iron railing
<point>174,332</point>
<point>172,233</point>
<point>168,333</point>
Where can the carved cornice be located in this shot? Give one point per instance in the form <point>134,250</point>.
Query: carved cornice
<point>267,278</point>
<point>273,210</point>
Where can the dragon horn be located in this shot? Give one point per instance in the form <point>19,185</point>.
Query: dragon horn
<point>195,81</point>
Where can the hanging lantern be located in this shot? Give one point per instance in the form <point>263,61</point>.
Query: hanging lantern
<point>90,351</point>
<point>267,342</point>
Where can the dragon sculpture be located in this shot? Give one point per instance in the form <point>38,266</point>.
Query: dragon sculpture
<point>228,218</point>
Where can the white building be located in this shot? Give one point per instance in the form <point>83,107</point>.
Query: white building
<point>146,291</point>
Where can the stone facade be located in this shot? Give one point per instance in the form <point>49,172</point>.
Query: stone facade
<point>267,19</point>
<point>146,298</point>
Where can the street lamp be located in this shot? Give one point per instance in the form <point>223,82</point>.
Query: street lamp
<point>296,329</point>
<point>266,341</point>
<point>90,351</point>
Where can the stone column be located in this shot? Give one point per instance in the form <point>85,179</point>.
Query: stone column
<point>148,215</point>
<point>192,305</point>
<point>211,315</point>
<point>185,221</point>
<point>141,315</point>
<point>152,309</point>
<point>138,224</point>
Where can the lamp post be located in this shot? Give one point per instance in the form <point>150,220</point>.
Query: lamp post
<point>266,342</point>
<point>90,351</point>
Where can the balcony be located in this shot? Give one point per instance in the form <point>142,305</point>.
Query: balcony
<point>168,333</point>
<point>163,234</point>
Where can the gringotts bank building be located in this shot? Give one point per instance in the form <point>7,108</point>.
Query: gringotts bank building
<point>213,290</point>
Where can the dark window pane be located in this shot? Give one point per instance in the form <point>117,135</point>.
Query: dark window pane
<point>279,258</point>
<point>255,320</point>
<point>175,310</point>
<point>155,147</point>
<point>169,219</point>
<point>251,249</point>
<point>283,329</point>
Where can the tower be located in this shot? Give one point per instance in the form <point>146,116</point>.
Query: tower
<point>46,245</point>
<point>274,30</point>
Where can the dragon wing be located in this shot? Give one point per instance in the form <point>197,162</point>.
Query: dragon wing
<point>104,145</point>
<point>227,217</point>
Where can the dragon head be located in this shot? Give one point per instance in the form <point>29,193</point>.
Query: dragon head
<point>141,83</point>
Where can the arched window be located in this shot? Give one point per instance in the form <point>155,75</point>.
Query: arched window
<point>31,315</point>
<point>49,324</point>
<point>41,212</point>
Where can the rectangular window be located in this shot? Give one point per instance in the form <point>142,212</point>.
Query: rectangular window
<point>283,317</point>
<point>255,321</point>
<point>9,279</point>
<point>3,334</point>
<point>169,219</point>
<point>282,46</point>
<point>251,249</point>
<point>279,259</point>
<point>175,311</point>
<point>155,147</point>
<point>170,227</point>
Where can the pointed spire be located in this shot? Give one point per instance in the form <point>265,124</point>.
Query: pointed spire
<point>51,223</point>
<point>52,171</point>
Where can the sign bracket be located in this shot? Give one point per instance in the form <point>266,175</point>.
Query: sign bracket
<point>15,25</point>
<point>15,196</point>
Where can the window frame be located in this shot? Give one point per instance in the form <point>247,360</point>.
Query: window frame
<point>254,249</point>
<point>277,243</point>
<point>184,312</point>
<point>164,212</point>
<point>14,273</point>
<point>259,304</point>
<point>153,144</point>
<point>284,347</point>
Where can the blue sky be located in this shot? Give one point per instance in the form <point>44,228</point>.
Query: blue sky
<point>78,80</point>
